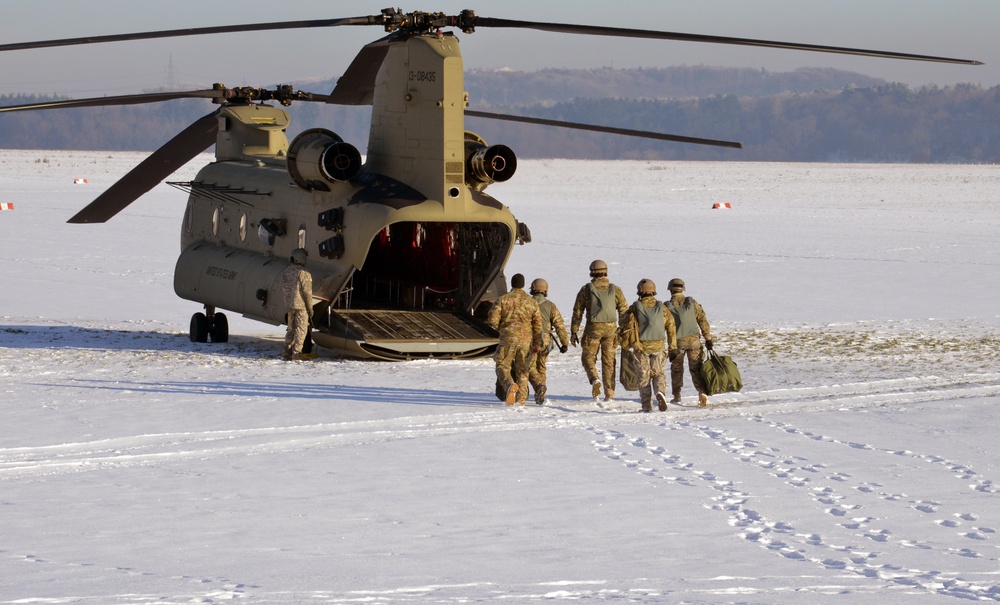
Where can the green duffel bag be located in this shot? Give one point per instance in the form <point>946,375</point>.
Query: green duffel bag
<point>629,374</point>
<point>720,374</point>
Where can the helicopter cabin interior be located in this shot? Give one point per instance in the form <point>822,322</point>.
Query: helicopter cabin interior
<point>432,266</point>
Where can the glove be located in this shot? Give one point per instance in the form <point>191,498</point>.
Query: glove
<point>673,354</point>
<point>563,349</point>
<point>708,345</point>
<point>573,340</point>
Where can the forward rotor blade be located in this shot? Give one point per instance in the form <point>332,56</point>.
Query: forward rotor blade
<point>178,151</point>
<point>595,30</point>
<point>118,100</point>
<point>645,134</point>
<point>227,95</point>
<point>193,31</point>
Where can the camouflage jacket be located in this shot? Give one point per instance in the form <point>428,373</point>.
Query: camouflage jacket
<point>583,299</point>
<point>296,288</point>
<point>517,317</point>
<point>551,319</point>
<point>684,306</point>
<point>630,329</point>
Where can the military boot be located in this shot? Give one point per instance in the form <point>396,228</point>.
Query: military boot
<point>676,399</point>
<point>595,390</point>
<point>511,398</point>
<point>702,400</point>
<point>540,395</point>
<point>661,399</point>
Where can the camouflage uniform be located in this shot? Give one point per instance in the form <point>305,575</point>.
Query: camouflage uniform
<point>690,320</point>
<point>599,335</point>
<point>651,353</point>
<point>551,318</point>
<point>296,289</point>
<point>517,317</point>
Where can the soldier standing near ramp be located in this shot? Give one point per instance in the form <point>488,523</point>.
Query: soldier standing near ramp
<point>296,287</point>
<point>516,316</point>
<point>647,326</point>
<point>691,326</point>
<point>603,303</point>
<point>551,318</point>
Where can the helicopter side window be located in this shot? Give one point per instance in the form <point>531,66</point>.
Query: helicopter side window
<point>216,219</point>
<point>243,226</point>
<point>302,236</point>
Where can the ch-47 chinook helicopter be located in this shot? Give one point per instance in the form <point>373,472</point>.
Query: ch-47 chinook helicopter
<point>405,247</point>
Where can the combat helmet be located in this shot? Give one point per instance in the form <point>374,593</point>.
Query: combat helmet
<point>646,287</point>
<point>298,256</point>
<point>598,267</point>
<point>676,284</point>
<point>540,286</point>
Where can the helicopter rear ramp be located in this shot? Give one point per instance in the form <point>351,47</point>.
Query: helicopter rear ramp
<point>395,335</point>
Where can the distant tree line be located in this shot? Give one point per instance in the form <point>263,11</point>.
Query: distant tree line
<point>887,123</point>
<point>806,115</point>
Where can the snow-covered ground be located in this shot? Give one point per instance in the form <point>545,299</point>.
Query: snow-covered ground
<point>858,464</point>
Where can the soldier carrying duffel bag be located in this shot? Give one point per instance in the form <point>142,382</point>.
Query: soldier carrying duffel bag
<point>720,374</point>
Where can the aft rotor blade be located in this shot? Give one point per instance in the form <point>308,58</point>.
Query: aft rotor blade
<point>596,30</point>
<point>178,151</point>
<point>645,134</point>
<point>193,31</point>
<point>357,85</point>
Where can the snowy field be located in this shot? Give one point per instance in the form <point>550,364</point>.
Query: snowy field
<point>858,465</point>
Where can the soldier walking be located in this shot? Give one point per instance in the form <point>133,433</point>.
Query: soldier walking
<point>551,319</point>
<point>647,326</point>
<point>517,317</point>
<point>603,303</point>
<point>692,325</point>
<point>296,287</point>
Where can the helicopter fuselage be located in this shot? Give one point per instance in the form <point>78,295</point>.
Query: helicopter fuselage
<point>397,245</point>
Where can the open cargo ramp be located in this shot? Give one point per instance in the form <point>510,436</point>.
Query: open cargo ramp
<point>399,335</point>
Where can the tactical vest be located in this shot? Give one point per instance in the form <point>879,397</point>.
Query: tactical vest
<point>603,305</point>
<point>684,317</point>
<point>545,306</point>
<point>650,321</point>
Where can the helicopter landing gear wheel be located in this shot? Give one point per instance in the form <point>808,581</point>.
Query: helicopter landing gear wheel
<point>199,328</point>
<point>219,331</point>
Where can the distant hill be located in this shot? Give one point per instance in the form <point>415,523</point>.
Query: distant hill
<point>804,115</point>
<point>517,88</point>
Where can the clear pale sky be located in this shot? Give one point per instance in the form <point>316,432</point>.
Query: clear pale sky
<point>963,29</point>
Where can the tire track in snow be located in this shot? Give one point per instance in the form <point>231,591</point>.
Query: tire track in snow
<point>151,449</point>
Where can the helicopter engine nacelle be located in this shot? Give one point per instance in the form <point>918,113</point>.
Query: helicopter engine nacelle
<point>318,158</point>
<point>487,164</point>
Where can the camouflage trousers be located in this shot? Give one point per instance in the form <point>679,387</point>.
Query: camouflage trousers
<point>295,335</point>
<point>690,347</point>
<point>603,338</point>
<point>538,375</point>
<point>652,377</point>
<point>514,360</point>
